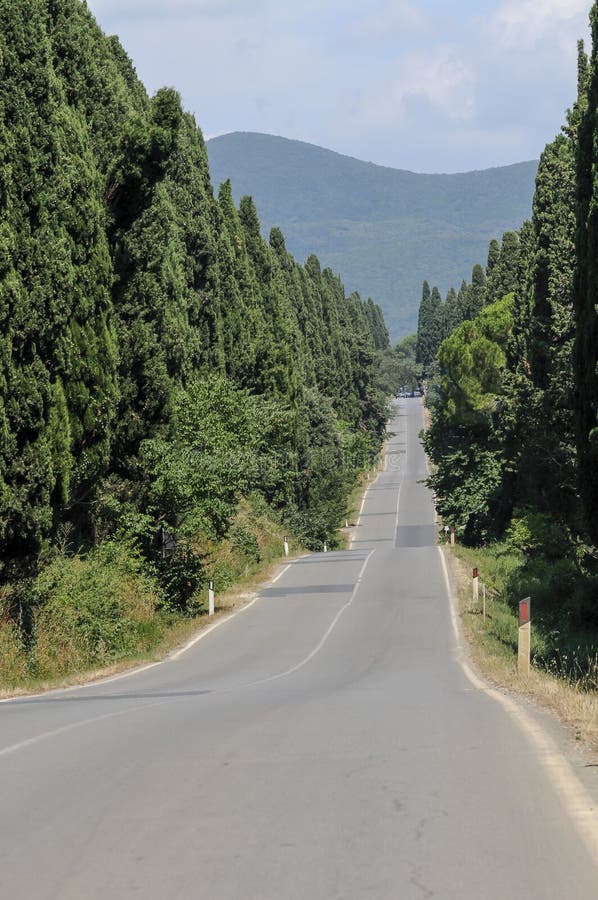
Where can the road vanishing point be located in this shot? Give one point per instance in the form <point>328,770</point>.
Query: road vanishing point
<point>328,743</point>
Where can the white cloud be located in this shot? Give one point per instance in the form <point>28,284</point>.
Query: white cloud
<point>521,23</point>
<point>441,80</point>
<point>421,85</point>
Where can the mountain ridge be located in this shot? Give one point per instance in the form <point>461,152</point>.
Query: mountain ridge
<point>366,162</point>
<point>384,230</point>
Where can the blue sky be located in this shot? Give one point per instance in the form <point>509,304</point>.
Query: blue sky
<point>429,86</point>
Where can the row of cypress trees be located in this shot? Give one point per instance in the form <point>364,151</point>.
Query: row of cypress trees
<point>123,279</point>
<point>512,359</point>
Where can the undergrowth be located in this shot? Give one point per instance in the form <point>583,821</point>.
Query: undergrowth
<point>564,614</point>
<point>87,611</point>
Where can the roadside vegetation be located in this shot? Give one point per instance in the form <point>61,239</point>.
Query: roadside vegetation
<point>510,370</point>
<point>103,611</point>
<point>177,392</point>
<point>564,674</point>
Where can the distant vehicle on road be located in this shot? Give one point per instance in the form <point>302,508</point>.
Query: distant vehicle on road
<point>403,394</point>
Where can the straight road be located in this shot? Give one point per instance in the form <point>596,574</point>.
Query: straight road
<point>325,743</point>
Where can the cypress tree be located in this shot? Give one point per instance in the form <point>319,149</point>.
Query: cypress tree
<point>477,294</point>
<point>451,313</point>
<point>430,326</point>
<point>58,349</point>
<point>586,296</point>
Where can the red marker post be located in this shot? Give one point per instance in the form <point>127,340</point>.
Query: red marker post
<point>525,636</point>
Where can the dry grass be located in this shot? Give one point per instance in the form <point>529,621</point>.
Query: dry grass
<point>496,661</point>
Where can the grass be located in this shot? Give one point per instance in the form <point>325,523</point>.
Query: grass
<point>100,614</point>
<point>568,690</point>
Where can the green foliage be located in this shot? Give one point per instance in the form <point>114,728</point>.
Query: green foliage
<point>396,367</point>
<point>465,438</point>
<point>473,361</point>
<point>515,407</point>
<point>92,610</point>
<point>159,360</point>
<point>194,481</point>
<point>586,293</point>
<point>430,327</point>
<point>562,591</point>
<point>57,353</point>
<point>244,540</point>
<point>532,531</point>
<point>13,656</point>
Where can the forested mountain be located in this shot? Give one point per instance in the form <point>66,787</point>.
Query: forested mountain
<point>383,229</point>
<point>159,360</point>
<point>511,366</point>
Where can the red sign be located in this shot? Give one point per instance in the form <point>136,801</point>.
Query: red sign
<point>525,611</point>
<point>475,573</point>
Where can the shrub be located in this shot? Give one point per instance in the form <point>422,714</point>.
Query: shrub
<point>13,657</point>
<point>244,540</point>
<point>535,532</point>
<point>92,610</point>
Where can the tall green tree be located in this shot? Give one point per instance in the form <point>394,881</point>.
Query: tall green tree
<point>58,354</point>
<point>430,326</point>
<point>586,295</point>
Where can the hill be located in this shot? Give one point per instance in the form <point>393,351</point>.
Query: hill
<point>385,230</point>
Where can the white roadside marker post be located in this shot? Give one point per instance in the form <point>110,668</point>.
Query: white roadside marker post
<point>484,601</point>
<point>286,546</point>
<point>476,592</point>
<point>525,636</point>
<point>346,523</point>
<point>325,547</point>
<point>211,599</point>
<point>452,535</point>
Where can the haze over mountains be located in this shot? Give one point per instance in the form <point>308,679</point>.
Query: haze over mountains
<point>384,230</point>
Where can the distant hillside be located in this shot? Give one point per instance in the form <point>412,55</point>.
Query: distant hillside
<point>384,230</point>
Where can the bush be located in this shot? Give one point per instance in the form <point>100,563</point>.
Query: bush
<point>13,656</point>
<point>180,576</point>
<point>244,540</point>
<point>92,610</point>
<point>535,532</point>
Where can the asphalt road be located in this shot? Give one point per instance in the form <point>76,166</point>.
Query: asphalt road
<point>324,743</point>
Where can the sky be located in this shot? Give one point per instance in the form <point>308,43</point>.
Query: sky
<point>425,85</point>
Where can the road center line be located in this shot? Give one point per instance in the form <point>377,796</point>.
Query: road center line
<point>325,636</point>
<point>73,726</point>
<point>396,534</point>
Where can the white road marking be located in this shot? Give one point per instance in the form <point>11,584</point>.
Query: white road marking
<point>324,638</point>
<point>139,669</point>
<point>362,505</point>
<point>206,631</point>
<point>577,802</point>
<point>64,729</point>
<point>396,534</point>
<point>36,739</point>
